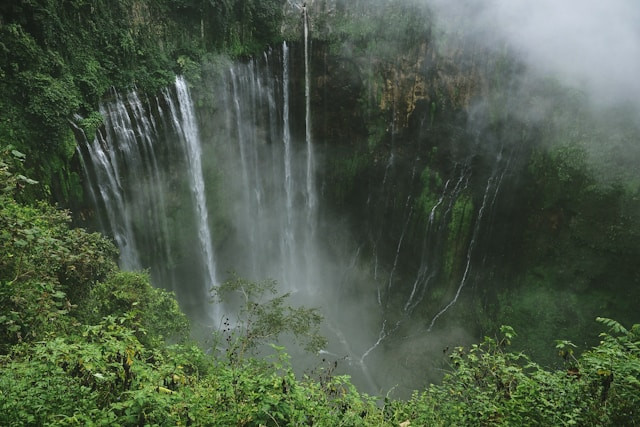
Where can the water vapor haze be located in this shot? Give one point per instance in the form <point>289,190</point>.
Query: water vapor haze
<point>588,44</point>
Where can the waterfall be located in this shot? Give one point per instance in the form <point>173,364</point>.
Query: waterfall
<point>408,206</point>
<point>288,237</point>
<point>153,179</point>
<point>110,167</point>
<point>193,149</point>
<point>401,298</point>
<point>426,272</point>
<point>311,195</point>
<point>129,180</point>
<point>465,275</point>
<point>493,185</point>
<point>244,146</point>
<point>81,136</point>
<point>270,171</point>
<point>233,189</point>
<point>158,215</point>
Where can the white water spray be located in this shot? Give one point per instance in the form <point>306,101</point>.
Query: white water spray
<point>194,154</point>
<point>288,240</point>
<point>311,194</point>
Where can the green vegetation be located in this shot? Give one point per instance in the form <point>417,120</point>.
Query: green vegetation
<point>431,188</point>
<point>83,343</point>
<point>381,29</point>
<point>344,173</point>
<point>459,233</point>
<point>46,268</point>
<point>261,316</point>
<point>581,232</point>
<point>492,386</point>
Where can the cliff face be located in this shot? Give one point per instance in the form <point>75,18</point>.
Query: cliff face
<point>406,111</point>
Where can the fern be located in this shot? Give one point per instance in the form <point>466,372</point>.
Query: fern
<point>614,326</point>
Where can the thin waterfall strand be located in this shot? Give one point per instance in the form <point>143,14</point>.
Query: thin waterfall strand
<point>194,154</point>
<point>311,195</point>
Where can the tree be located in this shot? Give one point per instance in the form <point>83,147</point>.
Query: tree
<point>261,317</point>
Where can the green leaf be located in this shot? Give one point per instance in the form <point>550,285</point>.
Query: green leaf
<point>18,155</point>
<point>613,325</point>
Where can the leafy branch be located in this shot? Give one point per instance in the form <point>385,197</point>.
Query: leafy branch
<point>260,316</point>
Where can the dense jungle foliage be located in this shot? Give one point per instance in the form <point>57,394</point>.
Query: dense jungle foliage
<point>86,344</point>
<point>83,343</point>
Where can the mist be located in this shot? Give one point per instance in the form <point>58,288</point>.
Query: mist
<point>589,45</point>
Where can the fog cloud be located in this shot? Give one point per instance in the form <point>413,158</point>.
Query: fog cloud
<point>592,45</point>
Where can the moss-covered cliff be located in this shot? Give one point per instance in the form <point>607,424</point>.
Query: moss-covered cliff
<point>540,225</point>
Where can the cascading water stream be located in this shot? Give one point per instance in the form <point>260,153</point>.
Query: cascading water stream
<point>194,155</point>
<point>128,179</point>
<point>288,240</point>
<point>310,196</point>
<point>268,170</point>
<point>244,165</point>
<point>146,130</point>
<point>109,166</point>
<point>498,170</point>
<point>311,193</point>
<point>422,279</point>
<point>409,207</point>
<point>432,246</point>
<point>81,136</point>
